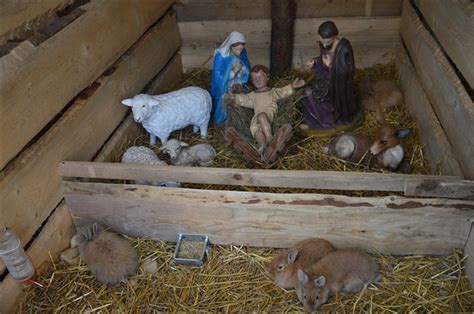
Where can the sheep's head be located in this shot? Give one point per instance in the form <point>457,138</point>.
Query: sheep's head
<point>173,148</point>
<point>142,106</point>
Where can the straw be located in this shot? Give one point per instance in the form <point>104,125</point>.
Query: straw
<point>236,279</point>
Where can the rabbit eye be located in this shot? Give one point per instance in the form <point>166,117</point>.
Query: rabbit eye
<point>317,297</point>
<point>143,106</point>
<point>384,142</point>
<point>304,297</point>
<point>281,267</point>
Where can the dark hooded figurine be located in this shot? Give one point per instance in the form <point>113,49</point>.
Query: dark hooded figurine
<point>329,102</point>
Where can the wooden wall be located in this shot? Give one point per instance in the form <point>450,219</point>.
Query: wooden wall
<point>448,96</point>
<point>60,100</point>
<point>371,25</point>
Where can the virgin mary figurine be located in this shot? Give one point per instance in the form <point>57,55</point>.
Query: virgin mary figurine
<point>230,70</point>
<point>329,102</point>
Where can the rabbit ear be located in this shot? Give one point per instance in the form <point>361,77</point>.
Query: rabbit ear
<point>402,133</point>
<point>292,255</point>
<point>183,144</point>
<point>302,277</point>
<point>320,281</point>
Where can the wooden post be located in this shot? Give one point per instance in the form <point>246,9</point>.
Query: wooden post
<point>283,18</point>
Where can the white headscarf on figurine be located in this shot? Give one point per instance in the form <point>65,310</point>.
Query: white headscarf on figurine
<point>234,37</point>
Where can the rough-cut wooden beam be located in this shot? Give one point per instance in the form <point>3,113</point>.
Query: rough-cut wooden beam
<point>389,225</point>
<point>418,185</point>
<point>436,147</point>
<point>198,10</point>
<point>30,185</point>
<point>282,34</point>
<point>36,88</point>
<point>54,238</point>
<point>18,16</point>
<point>448,96</point>
<point>452,22</point>
<point>373,39</point>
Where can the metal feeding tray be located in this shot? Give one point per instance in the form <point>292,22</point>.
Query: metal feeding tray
<point>191,249</point>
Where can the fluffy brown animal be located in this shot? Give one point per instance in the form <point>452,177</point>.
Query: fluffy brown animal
<point>345,270</point>
<point>283,268</point>
<point>109,257</point>
<point>382,93</point>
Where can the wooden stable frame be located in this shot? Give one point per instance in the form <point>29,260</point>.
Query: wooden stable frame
<point>389,225</point>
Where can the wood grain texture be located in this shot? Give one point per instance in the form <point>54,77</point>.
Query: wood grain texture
<point>30,186</point>
<point>53,239</point>
<point>199,10</point>
<point>373,39</point>
<point>17,16</point>
<point>390,225</point>
<point>447,95</point>
<point>419,185</point>
<point>436,146</point>
<point>38,85</point>
<point>452,22</point>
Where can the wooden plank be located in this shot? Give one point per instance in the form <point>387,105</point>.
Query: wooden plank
<point>17,16</point>
<point>129,130</point>
<point>34,88</point>
<point>31,184</point>
<point>452,22</point>
<point>331,180</point>
<point>450,100</point>
<point>366,55</point>
<point>198,10</point>
<point>436,146</point>
<point>469,252</point>
<point>54,238</point>
<point>390,225</point>
<point>374,39</point>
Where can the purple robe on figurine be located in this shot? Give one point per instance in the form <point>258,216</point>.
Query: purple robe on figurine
<point>329,100</point>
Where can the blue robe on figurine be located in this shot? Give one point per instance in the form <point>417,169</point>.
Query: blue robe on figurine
<point>223,78</point>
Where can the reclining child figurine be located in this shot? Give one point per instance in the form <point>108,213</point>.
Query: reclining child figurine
<point>264,103</point>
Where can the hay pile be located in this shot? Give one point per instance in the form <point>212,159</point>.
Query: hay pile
<point>235,279</point>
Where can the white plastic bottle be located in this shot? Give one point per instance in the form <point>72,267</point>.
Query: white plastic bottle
<point>14,256</point>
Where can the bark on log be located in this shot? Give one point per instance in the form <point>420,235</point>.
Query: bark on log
<point>283,18</point>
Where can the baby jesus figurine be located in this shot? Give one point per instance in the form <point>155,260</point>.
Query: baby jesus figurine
<point>264,103</point>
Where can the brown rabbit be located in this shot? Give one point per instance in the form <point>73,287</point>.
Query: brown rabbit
<point>345,270</point>
<point>109,257</point>
<point>283,268</point>
<point>382,93</point>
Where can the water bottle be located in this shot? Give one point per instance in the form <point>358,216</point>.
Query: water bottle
<point>14,256</point>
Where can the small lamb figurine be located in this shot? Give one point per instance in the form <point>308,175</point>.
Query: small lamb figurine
<point>162,114</point>
<point>201,155</point>
<point>142,155</point>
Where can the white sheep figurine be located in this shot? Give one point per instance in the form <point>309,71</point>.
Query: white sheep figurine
<point>162,114</point>
<point>181,154</point>
<point>142,155</point>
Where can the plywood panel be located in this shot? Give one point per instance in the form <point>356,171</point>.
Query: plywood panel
<point>390,225</point>
<point>448,96</point>
<point>35,88</point>
<point>30,186</point>
<point>436,146</point>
